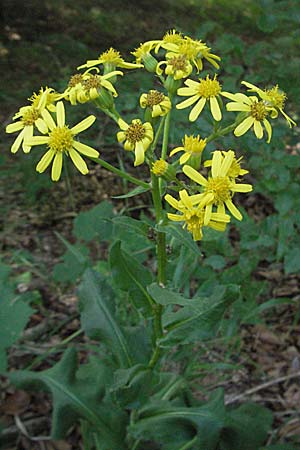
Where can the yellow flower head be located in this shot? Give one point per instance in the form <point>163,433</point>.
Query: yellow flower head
<point>177,65</point>
<point>193,215</point>
<point>274,98</point>
<point>158,103</point>
<point>136,137</point>
<point>191,146</point>
<point>111,59</point>
<point>219,188</point>
<point>60,140</point>
<point>194,51</point>
<point>200,92</point>
<point>256,112</point>
<point>235,170</point>
<point>46,98</point>
<point>160,167</point>
<point>143,55</point>
<point>87,86</point>
<point>29,117</point>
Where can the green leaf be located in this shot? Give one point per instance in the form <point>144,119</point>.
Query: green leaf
<point>94,223</point>
<point>182,236</point>
<point>131,276</point>
<point>136,191</point>
<point>204,427</point>
<point>292,261</point>
<point>75,261</point>
<point>14,315</point>
<point>76,397</point>
<point>174,426</point>
<point>199,318</point>
<point>97,306</point>
<point>246,427</point>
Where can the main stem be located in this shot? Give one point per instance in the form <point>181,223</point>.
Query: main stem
<point>160,244</point>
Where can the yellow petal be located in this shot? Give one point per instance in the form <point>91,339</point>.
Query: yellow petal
<point>184,158</point>
<point>194,114</point>
<point>207,214</point>
<point>83,125</point>
<point>235,106</point>
<point>194,175</point>
<point>175,217</point>
<point>139,154</point>
<point>187,102</point>
<point>242,187</point>
<point>176,150</point>
<point>16,145</point>
<point>215,109</point>
<point>38,140</point>
<point>45,161</point>
<point>122,124</point>
<point>172,201</point>
<point>243,127</point>
<point>41,125</point>
<point>57,166</point>
<point>227,162</point>
<point>258,129</point>
<point>78,161</point>
<point>48,119</point>
<point>85,149</point>
<point>233,209</point>
<point>60,114</point>
<point>13,127</point>
<point>216,164</point>
<point>184,197</point>
<point>269,130</point>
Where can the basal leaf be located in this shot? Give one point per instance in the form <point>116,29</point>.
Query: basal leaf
<point>75,398</point>
<point>97,315</point>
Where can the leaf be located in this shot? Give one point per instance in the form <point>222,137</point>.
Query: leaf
<point>182,236</point>
<point>246,427</point>
<point>199,318</point>
<point>292,261</point>
<point>75,398</point>
<point>131,276</point>
<point>134,236</point>
<point>136,191</point>
<point>76,260</point>
<point>94,223</point>
<point>175,426</point>
<point>97,306</point>
<point>14,315</point>
<point>204,427</point>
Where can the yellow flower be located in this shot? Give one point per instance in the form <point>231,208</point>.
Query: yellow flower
<point>137,137</point>
<point>235,169</point>
<point>177,65</point>
<point>274,97</point>
<point>158,103</point>
<point>193,215</point>
<point>170,38</point>
<point>85,87</point>
<point>46,98</point>
<point>60,141</point>
<point>200,92</point>
<point>143,55</point>
<point>111,59</point>
<point>194,51</point>
<point>256,115</point>
<point>191,146</point>
<point>30,117</point>
<point>220,187</point>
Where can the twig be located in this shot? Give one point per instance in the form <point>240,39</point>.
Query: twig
<point>262,386</point>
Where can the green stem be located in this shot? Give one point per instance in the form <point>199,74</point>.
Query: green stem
<point>166,133</point>
<point>121,174</point>
<point>226,130</point>
<point>161,268</point>
<point>69,188</point>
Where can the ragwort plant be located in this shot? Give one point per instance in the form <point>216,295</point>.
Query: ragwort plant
<point>124,397</point>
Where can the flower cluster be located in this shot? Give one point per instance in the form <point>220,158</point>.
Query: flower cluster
<point>175,61</point>
<point>208,208</point>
